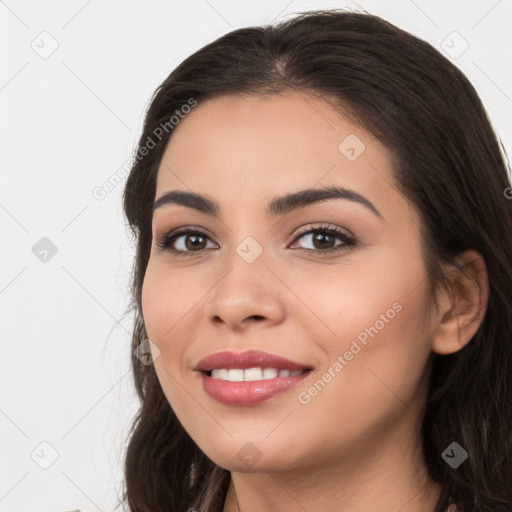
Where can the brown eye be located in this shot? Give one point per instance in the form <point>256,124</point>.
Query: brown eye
<point>184,242</point>
<point>193,242</point>
<point>323,239</point>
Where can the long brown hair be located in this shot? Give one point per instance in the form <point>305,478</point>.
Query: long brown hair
<point>447,161</point>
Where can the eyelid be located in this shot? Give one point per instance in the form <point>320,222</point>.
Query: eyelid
<point>348,239</point>
<point>323,226</point>
<point>167,236</point>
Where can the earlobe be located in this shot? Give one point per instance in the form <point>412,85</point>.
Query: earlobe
<point>463,305</point>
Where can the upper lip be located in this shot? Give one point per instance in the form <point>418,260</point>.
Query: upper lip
<point>248,359</point>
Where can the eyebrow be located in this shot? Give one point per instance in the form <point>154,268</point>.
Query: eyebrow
<point>278,206</point>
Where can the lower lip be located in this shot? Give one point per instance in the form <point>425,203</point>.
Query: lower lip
<point>249,393</point>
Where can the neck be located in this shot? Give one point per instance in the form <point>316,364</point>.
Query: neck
<point>389,472</point>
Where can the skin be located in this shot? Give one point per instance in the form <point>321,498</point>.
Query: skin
<point>357,442</point>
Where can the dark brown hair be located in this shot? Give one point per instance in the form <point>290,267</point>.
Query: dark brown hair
<point>446,161</point>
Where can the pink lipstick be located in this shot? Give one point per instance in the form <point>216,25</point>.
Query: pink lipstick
<point>249,378</point>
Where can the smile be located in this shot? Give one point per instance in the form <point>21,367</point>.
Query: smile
<point>249,378</point>
<point>251,374</point>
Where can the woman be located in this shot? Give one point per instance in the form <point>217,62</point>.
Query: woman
<point>323,238</point>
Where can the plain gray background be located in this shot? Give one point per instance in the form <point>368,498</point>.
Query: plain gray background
<point>75,79</point>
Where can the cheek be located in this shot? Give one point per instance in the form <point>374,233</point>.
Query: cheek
<point>359,297</point>
<point>165,302</point>
<point>164,310</point>
<point>374,368</point>
<point>371,323</point>
<point>167,297</point>
<point>154,305</point>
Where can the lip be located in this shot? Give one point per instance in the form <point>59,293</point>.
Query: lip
<point>248,359</point>
<point>248,393</point>
<point>252,392</point>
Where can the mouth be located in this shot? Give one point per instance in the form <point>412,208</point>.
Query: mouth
<point>250,377</point>
<point>252,361</point>
<point>252,374</point>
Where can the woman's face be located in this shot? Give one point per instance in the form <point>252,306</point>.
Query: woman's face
<point>356,314</point>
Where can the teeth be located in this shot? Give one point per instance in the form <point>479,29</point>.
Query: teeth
<point>220,374</point>
<point>235,375</point>
<point>251,374</point>
<point>270,373</point>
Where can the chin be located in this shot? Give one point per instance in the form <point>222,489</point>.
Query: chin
<point>246,456</point>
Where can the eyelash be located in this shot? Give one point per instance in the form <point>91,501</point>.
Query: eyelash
<point>348,240</point>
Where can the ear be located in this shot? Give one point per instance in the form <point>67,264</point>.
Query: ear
<point>463,305</point>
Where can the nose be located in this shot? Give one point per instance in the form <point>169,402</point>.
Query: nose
<point>248,295</point>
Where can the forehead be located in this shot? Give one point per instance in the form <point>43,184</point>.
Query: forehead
<point>236,148</point>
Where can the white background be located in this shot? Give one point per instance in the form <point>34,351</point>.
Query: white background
<point>70,121</point>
